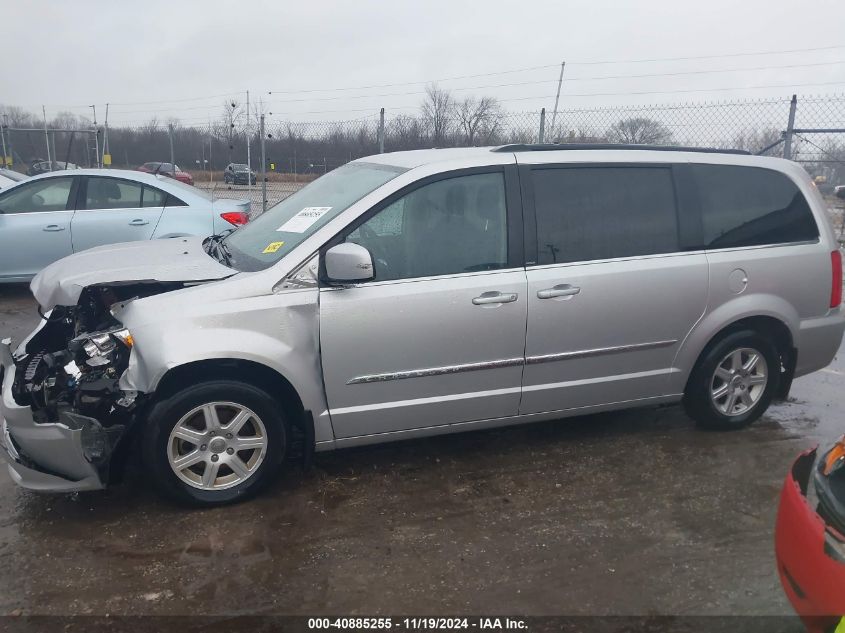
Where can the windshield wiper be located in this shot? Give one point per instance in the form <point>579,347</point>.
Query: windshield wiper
<point>218,249</point>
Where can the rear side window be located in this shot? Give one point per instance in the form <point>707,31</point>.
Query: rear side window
<point>153,197</point>
<point>751,206</point>
<point>112,193</point>
<point>589,213</point>
<point>173,201</point>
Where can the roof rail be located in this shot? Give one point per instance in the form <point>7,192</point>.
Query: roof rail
<point>550,147</point>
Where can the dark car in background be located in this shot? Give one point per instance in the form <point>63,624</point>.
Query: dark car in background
<point>39,166</point>
<point>238,174</point>
<point>167,169</point>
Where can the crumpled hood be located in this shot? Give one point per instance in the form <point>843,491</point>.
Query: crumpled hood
<point>177,259</point>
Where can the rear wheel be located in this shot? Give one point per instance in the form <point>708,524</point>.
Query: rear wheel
<point>215,443</point>
<point>733,382</point>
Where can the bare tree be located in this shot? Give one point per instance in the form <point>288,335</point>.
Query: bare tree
<point>151,126</point>
<point>405,132</point>
<point>477,117</point>
<point>639,130</point>
<point>65,121</point>
<point>437,111</point>
<point>755,140</point>
<point>14,116</point>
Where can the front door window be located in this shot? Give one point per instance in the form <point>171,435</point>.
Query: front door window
<point>447,227</point>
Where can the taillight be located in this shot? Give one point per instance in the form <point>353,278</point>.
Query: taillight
<point>237,218</point>
<point>836,288</point>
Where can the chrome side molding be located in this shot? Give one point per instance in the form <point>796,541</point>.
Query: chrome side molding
<point>507,362</point>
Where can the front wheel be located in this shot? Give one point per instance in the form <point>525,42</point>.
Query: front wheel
<point>215,443</point>
<point>733,382</point>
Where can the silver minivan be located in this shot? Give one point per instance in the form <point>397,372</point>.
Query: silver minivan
<point>427,292</point>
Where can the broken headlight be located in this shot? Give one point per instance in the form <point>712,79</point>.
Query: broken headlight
<point>97,347</point>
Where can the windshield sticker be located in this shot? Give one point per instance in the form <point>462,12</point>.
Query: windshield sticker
<point>303,220</point>
<point>272,247</point>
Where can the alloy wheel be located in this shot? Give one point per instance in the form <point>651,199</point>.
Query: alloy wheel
<point>739,381</point>
<point>217,445</point>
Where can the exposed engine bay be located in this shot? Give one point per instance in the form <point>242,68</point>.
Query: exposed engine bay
<point>71,367</point>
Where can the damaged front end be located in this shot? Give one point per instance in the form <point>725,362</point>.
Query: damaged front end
<point>810,543</point>
<point>64,415</point>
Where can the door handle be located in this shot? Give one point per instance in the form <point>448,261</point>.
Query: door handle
<point>53,227</point>
<point>138,222</point>
<point>561,290</point>
<point>488,298</point>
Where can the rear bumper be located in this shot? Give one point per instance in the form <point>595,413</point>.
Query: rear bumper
<point>818,342</point>
<point>46,457</point>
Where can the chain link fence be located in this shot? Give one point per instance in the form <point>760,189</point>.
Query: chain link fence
<point>298,151</point>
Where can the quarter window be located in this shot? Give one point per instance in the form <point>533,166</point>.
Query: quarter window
<point>450,226</point>
<point>751,206</point>
<point>589,213</point>
<point>153,197</point>
<point>112,193</point>
<point>49,194</point>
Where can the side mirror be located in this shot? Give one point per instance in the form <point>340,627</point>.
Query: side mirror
<point>349,263</point>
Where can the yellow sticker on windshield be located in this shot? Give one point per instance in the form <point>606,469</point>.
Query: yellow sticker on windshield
<point>272,247</point>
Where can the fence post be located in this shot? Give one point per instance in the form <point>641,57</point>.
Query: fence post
<point>381,132</point>
<point>787,136</point>
<point>47,138</point>
<point>542,136</point>
<point>263,169</point>
<point>3,139</point>
<point>170,136</point>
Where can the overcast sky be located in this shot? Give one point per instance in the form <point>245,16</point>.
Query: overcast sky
<point>138,55</point>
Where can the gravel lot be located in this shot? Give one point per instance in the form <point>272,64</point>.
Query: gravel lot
<point>634,513</point>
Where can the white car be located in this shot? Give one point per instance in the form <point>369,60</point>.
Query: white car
<point>50,216</point>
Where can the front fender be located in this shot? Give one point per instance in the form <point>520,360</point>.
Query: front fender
<point>280,331</point>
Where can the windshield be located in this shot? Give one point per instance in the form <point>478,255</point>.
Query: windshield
<point>268,238</point>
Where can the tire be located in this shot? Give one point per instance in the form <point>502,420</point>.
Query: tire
<point>751,386</point>
<point>182,426</point>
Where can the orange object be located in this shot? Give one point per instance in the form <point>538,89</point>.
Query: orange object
<point>835,456</point>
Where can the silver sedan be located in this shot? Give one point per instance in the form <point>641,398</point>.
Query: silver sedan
<point>47,217</point>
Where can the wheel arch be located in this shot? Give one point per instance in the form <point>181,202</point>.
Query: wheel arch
<point>757,309</point>
<point>767,325</point>
<point>270,380</point>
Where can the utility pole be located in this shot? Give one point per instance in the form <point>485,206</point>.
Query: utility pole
<point>96,141</point>
<point>172,156</point>
<point>106,150</point>
<point>11,149</point>
<point>263,169</point>
<point>47,137</point>
<point>248,161</point>
<point>790,126</point>
<point>557,98</point>
<point>3,140</point>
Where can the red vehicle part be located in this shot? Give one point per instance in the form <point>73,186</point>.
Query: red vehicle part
<point>238,218</point>
<point>810,553</point>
